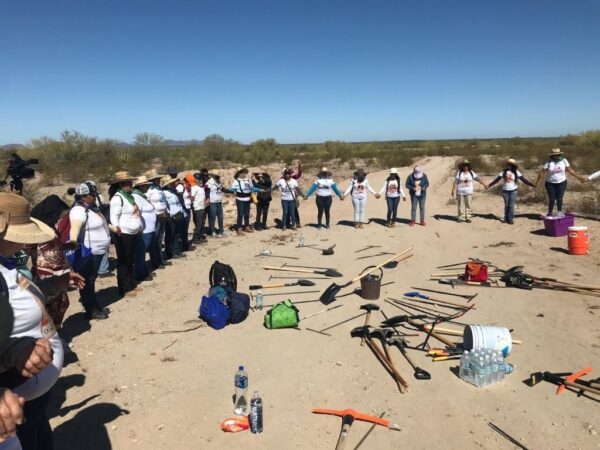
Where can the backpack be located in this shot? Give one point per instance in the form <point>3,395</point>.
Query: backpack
<point>222,275</point>
<point>213,312</point>
<point>63,227</point>
<point>282,315</point>
<point>476,271</point>
<point>239,307</point>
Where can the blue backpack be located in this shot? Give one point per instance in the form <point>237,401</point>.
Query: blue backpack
<point>213,312</point>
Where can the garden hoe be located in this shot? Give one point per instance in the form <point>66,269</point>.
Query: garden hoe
<point>348,417</point>
<point>329,294</point>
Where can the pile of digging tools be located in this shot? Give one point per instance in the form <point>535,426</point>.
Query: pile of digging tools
<point>348,417</point>
<point>330,293</point>
<point>515,277</point>
<point>568,381</point>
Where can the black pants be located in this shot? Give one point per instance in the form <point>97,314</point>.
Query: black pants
<point>323,206</point>
<point>88,293</point>
<point>555,191</point>
<point>262,213</point>
<point>183,228</point>
<point>36,433</point>
<point>199,215</point>
<point>125,246</point>
<point>243,213</point>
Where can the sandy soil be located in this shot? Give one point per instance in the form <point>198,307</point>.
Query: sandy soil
<point>125,389</point>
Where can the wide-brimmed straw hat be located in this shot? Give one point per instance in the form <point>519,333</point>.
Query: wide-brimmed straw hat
<point>141,181</point>
<point>167,180</point>
<point>463,163</point>
<point>556,152</point>
<point>22,229</point>
<point>324,172</point>
<point>360,172</point>
<point>122,177</point>
<point>512,162</point>
<point>153,174</point>
<point>393,171</point>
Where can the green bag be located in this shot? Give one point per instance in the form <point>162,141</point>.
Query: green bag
<point>282,315</point>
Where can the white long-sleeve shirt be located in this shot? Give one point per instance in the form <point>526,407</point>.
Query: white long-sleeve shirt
<point>148,214</point>
<point>392,189</point>
<point>125,215</point>
<point>157,198</point>
<point>174,203</point>
<point>594,176</point>
<point>359,189</point>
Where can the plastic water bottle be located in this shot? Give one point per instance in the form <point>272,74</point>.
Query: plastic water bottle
<point>266,252</point>
<point>259,299</point>
<point>241,391</point>
<point>256,414</point>
<point>301,241</point>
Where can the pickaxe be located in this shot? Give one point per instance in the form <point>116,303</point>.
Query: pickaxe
<point>368,307</point>
<point>348,417</point>
<point>383,335</point>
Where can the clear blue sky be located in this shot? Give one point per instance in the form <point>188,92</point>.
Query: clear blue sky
<point>299,71</point>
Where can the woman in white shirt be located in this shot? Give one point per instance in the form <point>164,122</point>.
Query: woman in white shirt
<point>392,190</point>
<point>555,172</point>
<point>215,204</point>
<point>243,188</point>
<point>463,188</point>
<point>358,188</point>
<point>325,187</point>
<point>89,228</point>
<point>157,197</point>
<point>199,204</point>
<point>125,215</point>
<point>147,243</point>
<point>174,247</point>
<point>289,192</point>
<point>510,177</point>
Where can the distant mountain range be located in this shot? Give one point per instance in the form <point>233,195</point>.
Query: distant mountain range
<point>12,147</point>
<point>167,142</point>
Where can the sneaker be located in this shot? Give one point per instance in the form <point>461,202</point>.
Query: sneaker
<point>239,232</point>
<point>356,225</point>
<point>411,223</point>
<point>468,220</point>
<point>283,228</point>
<point>96,315</point>
<point>295,227</point>
<point>361,225</point>
<point>560,214</point>
<point>423,223</point>
<point>213,234</point>
<point>248,230</point>
<point>298,225</point>
<point>510,222</point>
<point>392,224</point>
<point>327,227</point>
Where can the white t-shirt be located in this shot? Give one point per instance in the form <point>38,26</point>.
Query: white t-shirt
<point>557,171</point>
<point>242,185</point>
<point>287,188</point>
<point>124,215</point>
<point>199,197</point>
<point>324,187</point>
<point>216,191</point>
<point>148,213</point>
<point>32,320</point>
<point>157,198</point>
<point>173,202</point>
<point>94,230</point>
<point>392,189</point>
<point>510,182</point>
<point>359,189</point>
<point>464,182</point>
<point>187,198</point>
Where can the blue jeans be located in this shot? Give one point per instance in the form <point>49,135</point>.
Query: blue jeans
<point>417,200</point>
<point>139,262</point>
<point>510,198</point>
<point>555,191</point>
<point>104,265</point>
<point>216,212</point>
<point>243,213</point>
<point>392,208</point>
<point>289,211</point>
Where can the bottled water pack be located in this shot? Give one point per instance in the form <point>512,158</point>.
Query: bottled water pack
<point>483,367</point>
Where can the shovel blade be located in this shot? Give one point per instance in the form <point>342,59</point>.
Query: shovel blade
<point>331,273</point>
<point>421,374</point>
<point>328,296</point>
<point>306,283</point>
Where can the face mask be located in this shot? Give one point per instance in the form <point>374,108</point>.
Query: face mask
<point>360,179</point>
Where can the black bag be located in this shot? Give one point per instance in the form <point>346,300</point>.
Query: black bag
<point>222,275</point>
<point>239,306</point>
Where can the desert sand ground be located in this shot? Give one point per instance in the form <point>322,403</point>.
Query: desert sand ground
<point>125,389</point>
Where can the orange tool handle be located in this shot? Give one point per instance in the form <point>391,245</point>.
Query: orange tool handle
<point>445,358</point>
<point>353,413</point>
<point>573,378</point>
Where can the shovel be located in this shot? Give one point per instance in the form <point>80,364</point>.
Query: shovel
<point>329,294</point>
<point>324,251</point>
<point>254,287</point>
<point>326,272</point>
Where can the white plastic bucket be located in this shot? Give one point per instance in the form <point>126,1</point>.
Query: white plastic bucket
<point>482,336</point>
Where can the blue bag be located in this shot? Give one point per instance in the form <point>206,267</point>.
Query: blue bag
<point>78,257</point>
<point>213,312</point>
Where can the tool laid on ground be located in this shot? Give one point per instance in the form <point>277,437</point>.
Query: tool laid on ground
<point>412,295</point>
<point>466,297</point>
<point>324,251</point>
<point>303,282</point>
<point>374,256</point>
<point>308,267</point>
<point>320,312</point>
<point>368,307</point>
<point>515,277</point>
<point>329,294</point>
<point>368,247</point>
<point>465,262</point>
<point>381,356</point>
<point>348,417</point>
<point>457,282</point>
<point>335,324</point>
<point>383,334</point>
<point>396,320</point>
<point>290,293</point>
<point>420,374</point>
<point>507,436</point>
<point>452,332</point>
<point>326,272</point>
<point>295,303</point>
<point>564,380</point>
<point>262,255</point>
<point>271,277</point>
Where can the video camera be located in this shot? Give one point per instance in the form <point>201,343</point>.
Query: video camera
<point>18,170</point>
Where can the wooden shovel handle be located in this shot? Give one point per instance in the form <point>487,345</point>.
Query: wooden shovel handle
<point>452,332</point>
<point>370,271</point>
<point>443,302</point>
<point>283,269</point>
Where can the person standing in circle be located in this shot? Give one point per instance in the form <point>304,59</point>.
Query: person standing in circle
<point>510,177</point>
<point>463,189</point>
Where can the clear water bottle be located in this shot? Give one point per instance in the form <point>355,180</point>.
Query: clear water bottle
<point>241,391</point>
<point>266,252</point>
<point>256,414</point>
<point>259,299</point>
<point>465,370</point>
<point>301,241</point>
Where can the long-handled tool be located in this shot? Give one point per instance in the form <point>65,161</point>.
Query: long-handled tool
<point>320,312</point>
<point>368,307</point>
<point>437,300</point>
<point>329,294</point>
<point>326,272</point>
<point>507,436</point>
<point>396,320</point>
<point>465,296</point>
<point>420,374</point>
<point>336,324</point>
<point>348,417</point>
<point>452,332</point>
<point>275,256</point>
<point>571,380</point>
<point>374,256</point>
<point>324,251</point>
<point>254,287</point>
<point>271,277</point>
<point>308,267</point>
<point>290,293</point>
<point>383,334</point>
<point>368,247</point>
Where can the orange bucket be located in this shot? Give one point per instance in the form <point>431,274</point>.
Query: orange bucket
<point>579,241</point>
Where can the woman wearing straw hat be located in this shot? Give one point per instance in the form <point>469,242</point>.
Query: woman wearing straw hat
<point>555,172</point>
<point>357,188</point>
<point>325,187</point>
<point>149,241</point>
<point>417,184</point>
<point>243,189</point>
<point>263,182</point>
<point>392,190</point>
<point>126,217</point>
<point>510,177</point>
<point>289,193</point>
<point>463,188</point>
<point>157,197</point>
<point>31,324</point>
